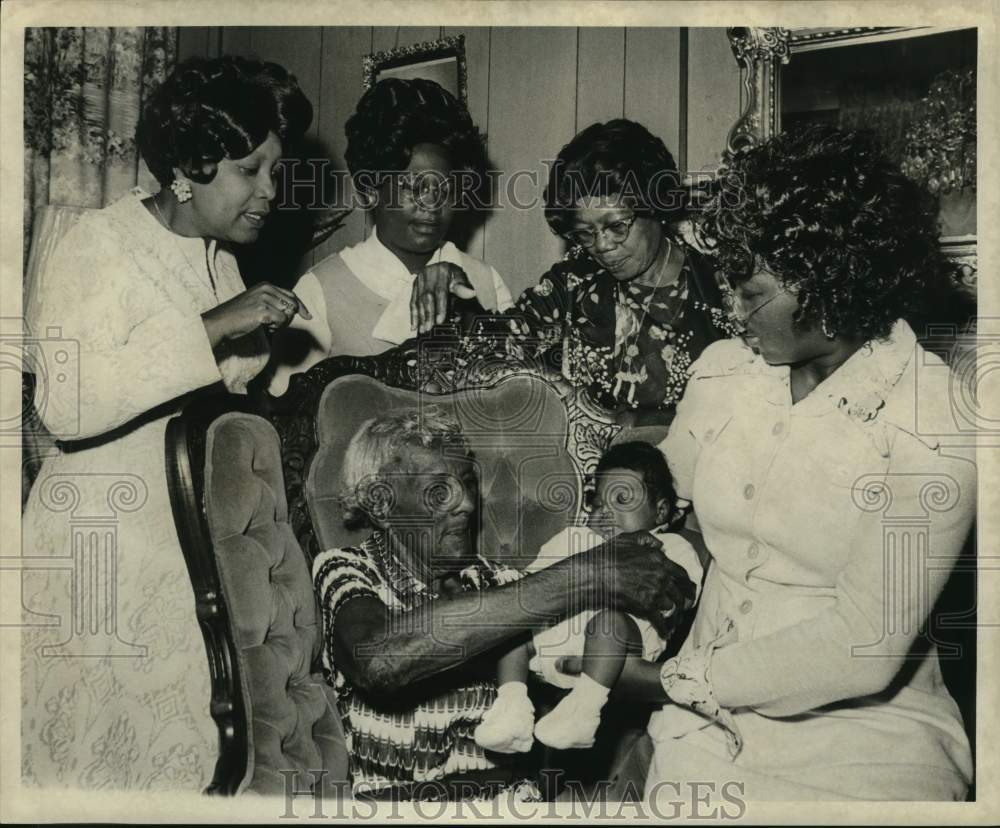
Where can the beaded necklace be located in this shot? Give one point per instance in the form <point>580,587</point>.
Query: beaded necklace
<point>624,301</point>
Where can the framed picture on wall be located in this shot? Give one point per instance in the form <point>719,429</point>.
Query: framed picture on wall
<point>917,91</point>
<point>914,87</point>
<point>442,61</point>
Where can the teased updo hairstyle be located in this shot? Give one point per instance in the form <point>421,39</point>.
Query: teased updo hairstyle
<point>617,158</point>
<point>394,116</point>
<point>207,110</point>
<point>837,222</point>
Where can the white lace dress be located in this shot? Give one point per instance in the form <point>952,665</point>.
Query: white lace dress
<point>115,685</point>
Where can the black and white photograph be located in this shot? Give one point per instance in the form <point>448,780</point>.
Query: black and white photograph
<point>499,411</point>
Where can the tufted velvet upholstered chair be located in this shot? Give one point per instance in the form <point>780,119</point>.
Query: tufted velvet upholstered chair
<point>531,486</point>
<point>253,589</point>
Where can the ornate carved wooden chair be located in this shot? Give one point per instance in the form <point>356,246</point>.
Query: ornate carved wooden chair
<point>255,499</point>
<point>532,448</point>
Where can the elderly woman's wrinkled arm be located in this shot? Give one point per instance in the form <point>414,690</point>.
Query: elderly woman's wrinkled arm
<point>384,651</point>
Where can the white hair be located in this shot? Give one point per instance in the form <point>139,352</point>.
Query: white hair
<point>379,442</point>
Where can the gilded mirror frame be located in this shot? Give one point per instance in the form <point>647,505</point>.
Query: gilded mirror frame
<point>763,54</point>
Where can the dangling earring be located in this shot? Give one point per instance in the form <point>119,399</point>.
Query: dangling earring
<point>826,330</point>
<point>181,189</point>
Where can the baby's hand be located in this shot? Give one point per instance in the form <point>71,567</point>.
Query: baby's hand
<point>571,665</point>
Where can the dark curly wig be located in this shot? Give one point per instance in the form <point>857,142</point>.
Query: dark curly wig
<point>395,115</point>
<point>207,110</point>
<point>836,221</point>
<point>620,157</point>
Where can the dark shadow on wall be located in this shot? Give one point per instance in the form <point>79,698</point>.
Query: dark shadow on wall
<point>475,202</point>
<point>946,307</point>
<point>309,208</point>
<point>313,197</point>
<point>953,627</point>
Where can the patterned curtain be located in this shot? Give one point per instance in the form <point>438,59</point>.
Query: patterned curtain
<point>83,91</point>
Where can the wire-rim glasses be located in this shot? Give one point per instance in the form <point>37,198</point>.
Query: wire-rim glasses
<point>617,232</point>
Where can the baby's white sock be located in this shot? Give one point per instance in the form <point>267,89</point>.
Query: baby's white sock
<point>590,692</point>
<point>507,726</point>
<point>574,721</point>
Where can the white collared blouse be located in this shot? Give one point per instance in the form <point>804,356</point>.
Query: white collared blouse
<point>359,299</point>
<point>833,525</point>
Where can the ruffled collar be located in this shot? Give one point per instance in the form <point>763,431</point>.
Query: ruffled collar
<point>862,385</point>
<point>859,389</point>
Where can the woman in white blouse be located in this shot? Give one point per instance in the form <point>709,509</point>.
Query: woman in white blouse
<point>148,306</point>
<point>833,516</point>
<point>410,146</point>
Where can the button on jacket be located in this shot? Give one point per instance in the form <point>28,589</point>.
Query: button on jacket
<point>833,525</point>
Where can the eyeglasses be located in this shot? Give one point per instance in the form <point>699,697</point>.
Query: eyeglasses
<point>617,232</point>
<point>744,316</point>
<point>426,189</point>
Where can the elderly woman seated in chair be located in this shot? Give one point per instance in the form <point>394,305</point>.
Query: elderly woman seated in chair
<point>410,615</point>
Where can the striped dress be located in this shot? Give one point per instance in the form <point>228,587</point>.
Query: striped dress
<point>427,737</point>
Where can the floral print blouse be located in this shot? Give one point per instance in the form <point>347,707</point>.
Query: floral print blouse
<point>629,345</point>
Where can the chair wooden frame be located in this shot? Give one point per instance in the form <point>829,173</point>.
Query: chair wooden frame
<point>293,417</point>
<point>185,467</point>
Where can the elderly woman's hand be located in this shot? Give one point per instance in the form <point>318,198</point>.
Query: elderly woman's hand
<point>632,570</point>
<point>262,305</point>
<point>432,289</point>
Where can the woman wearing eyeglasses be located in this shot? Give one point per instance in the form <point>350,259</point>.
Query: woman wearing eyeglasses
<point>815,454</point>
<point>630,306</point>
<point>406,143</point>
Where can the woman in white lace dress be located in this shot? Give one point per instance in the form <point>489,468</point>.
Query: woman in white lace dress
<point>142,305</point>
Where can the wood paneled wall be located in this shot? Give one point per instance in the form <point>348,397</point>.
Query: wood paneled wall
<point>530,91</point>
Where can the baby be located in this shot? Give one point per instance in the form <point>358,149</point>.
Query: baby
<point>634,492</point>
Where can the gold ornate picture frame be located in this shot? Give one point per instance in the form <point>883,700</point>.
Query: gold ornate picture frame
<point>767,55</point>
<point>442,61</point>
